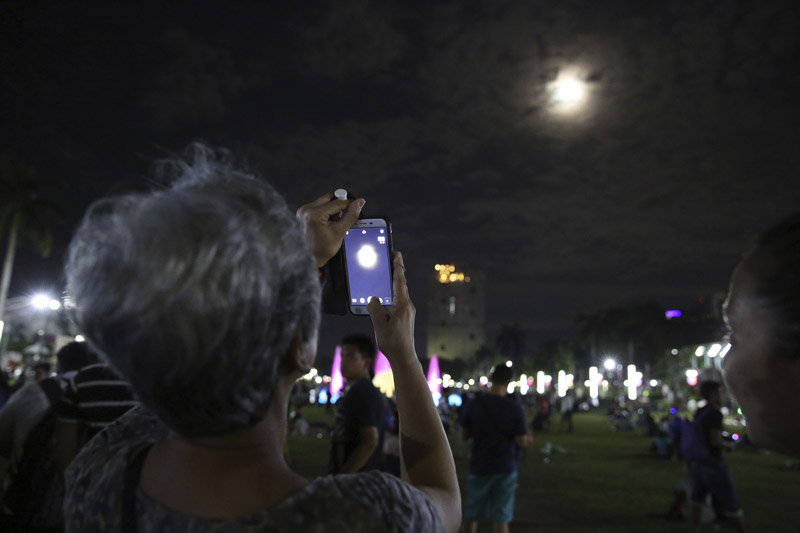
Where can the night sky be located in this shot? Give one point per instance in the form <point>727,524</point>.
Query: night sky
<point>441,115</point>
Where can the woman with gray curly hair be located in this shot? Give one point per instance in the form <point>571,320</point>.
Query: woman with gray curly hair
<point>205,296</point>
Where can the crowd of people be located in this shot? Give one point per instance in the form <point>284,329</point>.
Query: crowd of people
<point>202,299</point>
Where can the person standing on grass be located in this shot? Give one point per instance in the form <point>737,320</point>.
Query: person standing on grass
<point>710,475</point>
<point>357,440</point>
<point>567,407</point>
<point>496,424</point>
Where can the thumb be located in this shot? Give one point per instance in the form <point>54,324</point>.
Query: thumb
<point>351,214</point>
<point>377,313</point>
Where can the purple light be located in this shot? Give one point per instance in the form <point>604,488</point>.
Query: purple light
<point>337,382</point>
<point>674,313</point>
<point>735,436</point>
<point>382,364</point>
<point>673,410</point>
<point>434,383</point>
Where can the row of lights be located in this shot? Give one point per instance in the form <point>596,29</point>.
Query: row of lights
<point>448,274</point>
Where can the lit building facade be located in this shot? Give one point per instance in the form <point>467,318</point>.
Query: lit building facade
<point>456,313</point>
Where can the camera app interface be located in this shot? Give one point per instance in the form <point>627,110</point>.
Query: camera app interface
<point>368,272</point>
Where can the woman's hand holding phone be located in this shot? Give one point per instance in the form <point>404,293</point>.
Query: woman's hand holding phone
<point>324,229</point>
<point>394,325</point>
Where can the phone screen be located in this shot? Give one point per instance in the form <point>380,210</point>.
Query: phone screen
<point>366,251</point>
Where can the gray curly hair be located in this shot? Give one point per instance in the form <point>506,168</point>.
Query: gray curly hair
<point>194,292</point>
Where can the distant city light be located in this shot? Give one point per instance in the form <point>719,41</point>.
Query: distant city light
<point>540,382</point>
<point>633,377</point>
<point>523,384</point>
<point>725,350</point>
<point>653,382</point>
<point>691,377</point>
<point>594,377</point>
<point>735,436</point>
<point>673,313</point>
<point>80,338</point>
<point>672,410</point>
<point>714,350</point>
<point>448,274</point>
<point>509,364</point>
<point>609,364</point>
<point>700,351</point>
<point>561,385</point>
<point>674,351</point>
<point>455,400</point>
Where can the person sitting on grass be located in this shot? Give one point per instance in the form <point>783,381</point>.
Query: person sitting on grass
<point>205,296</point>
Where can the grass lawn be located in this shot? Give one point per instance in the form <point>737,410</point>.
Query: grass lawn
<point>609,483</point>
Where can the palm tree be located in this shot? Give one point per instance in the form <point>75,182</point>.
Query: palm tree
<point>23,212</point>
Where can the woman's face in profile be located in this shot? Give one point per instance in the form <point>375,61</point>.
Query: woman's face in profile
<point>764,383</point>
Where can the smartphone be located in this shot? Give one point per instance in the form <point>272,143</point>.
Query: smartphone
<point>368,263</point>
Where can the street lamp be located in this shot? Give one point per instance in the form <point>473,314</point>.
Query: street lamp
<point>609,364</point>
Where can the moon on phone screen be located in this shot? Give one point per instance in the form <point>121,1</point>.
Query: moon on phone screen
<point>367,256</point>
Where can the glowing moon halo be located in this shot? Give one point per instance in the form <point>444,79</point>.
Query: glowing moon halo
<point>367,257</point>
<point>568,93</point>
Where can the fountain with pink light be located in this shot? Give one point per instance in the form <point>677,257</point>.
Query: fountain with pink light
<point>434,379</point>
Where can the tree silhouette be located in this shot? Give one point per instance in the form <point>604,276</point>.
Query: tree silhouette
<point>511,342</point>
<point>23,212</point>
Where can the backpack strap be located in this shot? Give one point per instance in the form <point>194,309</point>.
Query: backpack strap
<point>133,473</point>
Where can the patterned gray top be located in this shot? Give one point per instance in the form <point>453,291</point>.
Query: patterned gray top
<point>367,502</point>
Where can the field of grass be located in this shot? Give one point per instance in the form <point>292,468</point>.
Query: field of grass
<point>608,482</point>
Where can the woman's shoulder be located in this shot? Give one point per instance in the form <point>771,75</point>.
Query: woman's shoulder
<point>94,480</point>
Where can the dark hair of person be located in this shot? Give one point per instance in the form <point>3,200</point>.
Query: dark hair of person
<point>707,388</point>
<point>501,374</point>
<point>778,280</point>
<point>74,356</point>
<point>363,343</point>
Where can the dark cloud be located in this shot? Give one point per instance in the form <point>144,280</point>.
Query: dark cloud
<point>441,115</point>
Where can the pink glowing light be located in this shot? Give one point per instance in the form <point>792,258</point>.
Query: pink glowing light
<point>337,383</point>
<point>381,364</point>
<point>434,381</point>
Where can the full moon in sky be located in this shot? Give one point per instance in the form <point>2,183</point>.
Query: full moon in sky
<point>367,257</point>
<point>568,93</point>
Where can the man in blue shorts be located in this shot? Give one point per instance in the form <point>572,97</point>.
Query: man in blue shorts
<point>496,425</point>
<point>710,474</point>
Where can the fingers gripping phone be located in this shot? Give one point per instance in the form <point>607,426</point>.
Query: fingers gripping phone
<point>368,263</point>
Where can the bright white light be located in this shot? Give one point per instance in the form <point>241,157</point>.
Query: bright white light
<point>447,377</point>
<point>484,380</point>
<point>471,381</point>
<point>725,350</point>
<point>509,363</point>
<point>568,91</point>
<point>40,301</point>
<point>317,380</point>
<point>367,257</point>
<point>540,382</point>
<point>609,364</point>
<point>653,382</point>
<point>55,305</point>
<point>594,376</point>
<point>2,325</point>
<point>700,351</point>
<point>80,338</point>
<point>562,383</point>
<point>691,377</point>
<point>510,388</point>
<point>632,379</point>
<point>714,350</point>
<point>674,351</point>
<point>523,384</point>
